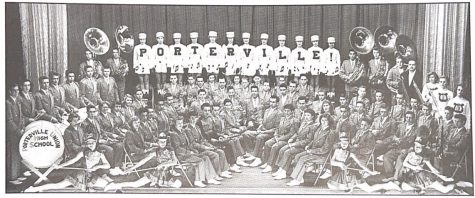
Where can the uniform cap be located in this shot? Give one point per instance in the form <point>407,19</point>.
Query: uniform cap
<point>162,136</point>
<point>213,33</point>
<point>142,35</point>
<point>194,35</point>
<point>281,37</point>
<point>331,39</point>
<point>264,36</point>
<point>299,38</point>
<point>314,38</point>
<point>230,34</point>
<point>176,35</point>
<point>246,35</point>
<point>160,34</point>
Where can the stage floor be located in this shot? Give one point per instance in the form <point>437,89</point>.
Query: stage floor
<point>250,181</point>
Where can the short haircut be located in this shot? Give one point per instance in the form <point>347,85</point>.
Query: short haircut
<point>89,107</point>
<point>205,105</point>
<point>462,117</point>
<point>72,116</point>
<point>201,90</point>
<point>275,97</point>
<point>289,106</point>
<point>311,112</point>
<point>254,86</point>
<point>450,109</point>
<point>227,101</point>
<point>43,78</point>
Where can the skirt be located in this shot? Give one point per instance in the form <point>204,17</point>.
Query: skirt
<point>142,68</point>
<point>420,178</point>
<point>344,179</point>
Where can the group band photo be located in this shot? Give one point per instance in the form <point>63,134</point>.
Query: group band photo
<point>371,99</point>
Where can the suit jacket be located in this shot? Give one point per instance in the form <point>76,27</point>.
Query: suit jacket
<point>72,95</point>
<point>181,143</point>
<point>355,119</point>
<point>304,134</point>
<point>407,137</point>
<point>383,126</point>
<point>74,140</point>
<point>365,141</point>
<point>456,142</point>
<point>344,125</point>
<point>230,120</point>
<point>97,67</point>
<point>195,137</point>
<point>254,112</point>
<point>410,86</point>
<point>89,91</point>
<point>175,90</point>
<point>14,119</point>
<point>135,143</point>
<point>377,69</point>
<point>305,91</point>
<point>271,119</point>
<point>28,106</point>
<point>108,90</point>
<point>431,123</point>
<point>321,143</point>
<point>107,124</point>
<point>286,128</point>
<point>44,100</point>
<point>118,70</point>
<point>58,95</point>
<point>92,127</point>
<point>287,99</point>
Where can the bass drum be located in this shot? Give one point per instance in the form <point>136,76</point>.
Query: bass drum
<point>41,144</point>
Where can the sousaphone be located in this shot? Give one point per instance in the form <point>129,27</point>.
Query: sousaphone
<point>406,48</point>
<point>125,40</point>
<point>96,41</point>
<point>386,39</point>
<point>361,40</point>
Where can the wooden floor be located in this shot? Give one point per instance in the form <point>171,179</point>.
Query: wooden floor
<point>250,181</point>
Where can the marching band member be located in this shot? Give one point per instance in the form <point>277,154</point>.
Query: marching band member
<point>315,61</point>
<point>331,58</point>
<point>410,80</point>
<point>246,56</point>
<point>454,143</point>
<point>129,109</point>
<point>351,72</point>
<point>427,119</point>
<point>363,141</point>
<point>213,55</point>
<point>382,124</point>
<point>174,87</point>
<point>378,68</point>
<point>142,57</point>
<point>195,53</point>
<point>344,125</point>
<point>298,59</point>
<point>44,100</point>
<point>302,105</point>
<point>264,59</point>
<point>414,107</point>
<point>119,69</point>
<point>27,103</point>
<point>74,137</point>
<point>88,88</point>
<point>445,127</point>
<point>461,105</point>
<point>94,174</point>
<point>107,87</point>
<point>375,107</point>
<point>315,151</point>
<point>295,144</point>
<point>177,59</point>
<point>138,101</point>
<point>211,85</point>
<point>317,104</point>
<point>282,58</point>
<point>109,126</point>
<point>159,57</point>
<point>72,91</point>
<point>429,87</point>
<point>231,134</point>
<point>357,116</point>
<point>14,126</point>
<point>343,102</point>
<point>304,89</point>
<point>231,56</point>
<point>90,61</point>
<point>398,110</point>
<point>441,96</point>
<point>221,92</point>
<point>57,92</point>
<point>394,76</point>
<point>361,96</point>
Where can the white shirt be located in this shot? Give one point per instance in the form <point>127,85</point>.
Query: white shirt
<point>411,76</point>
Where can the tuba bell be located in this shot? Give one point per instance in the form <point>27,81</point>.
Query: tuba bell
<point>361,40</point>
<point>406,48</point>
<point>96,41</point>
<point>125,40</point>
<point>386,39</point>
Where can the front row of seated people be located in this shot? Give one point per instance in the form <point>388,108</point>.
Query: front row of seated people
<point>286,143</point>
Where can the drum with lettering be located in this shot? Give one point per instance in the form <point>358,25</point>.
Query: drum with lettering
<point>41,144</point>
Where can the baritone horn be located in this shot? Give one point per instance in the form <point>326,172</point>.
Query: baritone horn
<point>125,40</point>
<point>386,39</point>
<point>361,40</point>
<point>96,41</point>
<point>406,48</point>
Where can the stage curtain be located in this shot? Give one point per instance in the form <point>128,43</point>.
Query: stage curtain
<point>44,39</point>
<point>445,39</point>
<point>418,21</point>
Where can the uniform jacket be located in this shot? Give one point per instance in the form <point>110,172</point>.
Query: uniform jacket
<point>108,90</point>
<point>72,94</point>
<point>118,69</point>
<point>74,140</point>
<point>321,143</point>
<point>304,134</point>
<point>135,142</point>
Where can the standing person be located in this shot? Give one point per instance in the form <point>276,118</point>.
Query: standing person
<point>394,77</point>
<point>14,130</point>
<point>177,58</point>
<point>142,53</point>
<point>231,56</point>
<point>57,92</point>
<point>45,101</point>
<point>246,56</point>
<point>88,88</point>
<point>431,85</point>
<point>213,55</point>
<point>264,59</point>
<point>461,105</point>
<point>411,81</point>
<point>90,61</point>
<point>331,58</point>
<point>315,61</point>
<point>442,96</point>
<point>378,69</point>
<point>27,102</point>
<point>159,57</point>
<point>107,87</point>
<point>195,55</point>
<point>72,91</point>
<point>119,69</point>
<point>298,59</point>
<point>352,70</point>
<point>282,58</point>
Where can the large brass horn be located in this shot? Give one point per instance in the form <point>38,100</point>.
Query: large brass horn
<point>96,41</point>
<point>386,39</point>
<point>361,40</point>
<point>125,40</point>
<point>406,48</point>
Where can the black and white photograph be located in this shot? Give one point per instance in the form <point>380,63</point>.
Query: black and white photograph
<point>245,98</point>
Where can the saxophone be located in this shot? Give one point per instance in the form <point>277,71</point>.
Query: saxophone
<point>381,75</point>
<point>357,73</point>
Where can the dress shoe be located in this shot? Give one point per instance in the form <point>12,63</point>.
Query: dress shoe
<point>267,169</point>
<point>256,162</point>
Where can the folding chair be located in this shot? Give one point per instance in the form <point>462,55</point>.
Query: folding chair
<point>462,162</point>
<point>128,160</point>
<point>327,161</point>
<point>371,159</point>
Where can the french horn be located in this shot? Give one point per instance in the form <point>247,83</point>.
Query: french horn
<point>386,39</point>
<point>406,48</point>
<point>361,40</point>
<point>125,40</point>
<point>96,41</point>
